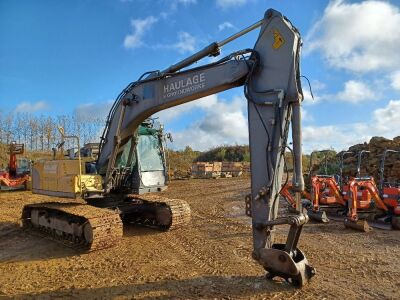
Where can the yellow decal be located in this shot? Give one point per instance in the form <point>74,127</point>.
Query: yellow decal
<point>278,39</point>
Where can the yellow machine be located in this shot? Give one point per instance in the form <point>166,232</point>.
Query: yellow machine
<point>64,178</point>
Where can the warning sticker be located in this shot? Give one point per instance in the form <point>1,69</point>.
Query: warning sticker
<point>278,39</point>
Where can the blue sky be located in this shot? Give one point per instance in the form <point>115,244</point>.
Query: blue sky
<point>57,57</point>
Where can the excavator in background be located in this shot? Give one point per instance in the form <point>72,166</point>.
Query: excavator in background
<point>17,175</point>
<point>390,192</point>
<point>270,74</point>
<point>286,193</point>
<point>324,193</point>
<point>364,199</point>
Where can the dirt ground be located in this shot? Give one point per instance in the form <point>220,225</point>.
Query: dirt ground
<point>209,259</point>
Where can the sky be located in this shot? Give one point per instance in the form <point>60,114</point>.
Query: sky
<point>60,57</point>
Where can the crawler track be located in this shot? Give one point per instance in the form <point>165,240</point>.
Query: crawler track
<point>75,225</point>
<point>176,212</point>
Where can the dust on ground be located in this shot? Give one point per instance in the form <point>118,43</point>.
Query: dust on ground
<point>209,259</point>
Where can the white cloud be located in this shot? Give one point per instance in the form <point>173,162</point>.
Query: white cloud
<point>139,28</point>
<point>355,92</point>
<point>317,88</point>
<point>186,42</point>
<point>31,107</point>
<point>305,115</point>
<point>359,37</point>
<point>177,111</point>
<point>383,122</point>
<point>225,25</point>
<point>230,3</point>
<point>395,77</point>
<point>223,123</point>
<point>93,111</point>
<point>308,99</point>
<point>386,119</point>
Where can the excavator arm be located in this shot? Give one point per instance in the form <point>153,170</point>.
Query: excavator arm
<point>270,74</point>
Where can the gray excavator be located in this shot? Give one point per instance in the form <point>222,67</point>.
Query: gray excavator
<point>130,168</point>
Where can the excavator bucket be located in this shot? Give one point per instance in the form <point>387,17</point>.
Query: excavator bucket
<point>360,225</point>
<point>319,216</point>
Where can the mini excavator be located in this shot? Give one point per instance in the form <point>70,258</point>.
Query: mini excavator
<point>270,74</point>
<point>390,192</point>
<point>17,175</point>
<point>365,199</point>
<point>326,194</point>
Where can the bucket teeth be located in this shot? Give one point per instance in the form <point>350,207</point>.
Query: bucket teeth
<point>360,225</point>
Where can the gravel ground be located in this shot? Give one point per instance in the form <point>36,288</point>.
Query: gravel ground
<point>208,259</point>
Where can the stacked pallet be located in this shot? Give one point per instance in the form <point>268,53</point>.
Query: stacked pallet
<point>231,169</point>
<point>206,170</point>
<point>246,167</point>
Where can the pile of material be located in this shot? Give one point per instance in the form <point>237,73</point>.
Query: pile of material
<point>231,169</point>
<point>371,161</point>
<point>218,169</point>
<point>206,169</point>
<point>246,167</point>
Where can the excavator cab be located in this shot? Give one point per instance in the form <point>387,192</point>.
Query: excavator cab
<point>142,162</point>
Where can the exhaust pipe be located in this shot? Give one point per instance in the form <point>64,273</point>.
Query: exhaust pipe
<point>319,216</point>
<point>360,225</point>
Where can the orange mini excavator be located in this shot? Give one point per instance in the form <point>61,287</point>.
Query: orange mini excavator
<point>364,198</point>
<point>390,192</point>
<point>14,179</point>
<point>325,194</point>
<point>286,193</point>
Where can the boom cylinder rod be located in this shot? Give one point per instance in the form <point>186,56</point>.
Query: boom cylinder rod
<point>240,33</point>
<point>210,50</point>
<point>298,181</point>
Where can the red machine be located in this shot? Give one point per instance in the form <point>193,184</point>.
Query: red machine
<point>390,192</point>
<point>12,179</point>
<point>288,196</point>
<point>364,197</point>
<point>325,193</point>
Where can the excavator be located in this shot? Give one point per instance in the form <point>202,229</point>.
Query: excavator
<point>270,75</point>
<point>364,198</point>
<point>389,192</point>
<point>17,175</point>
<point>324,193</point>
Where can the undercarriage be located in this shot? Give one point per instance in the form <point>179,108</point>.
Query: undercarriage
<point>99,224</point>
